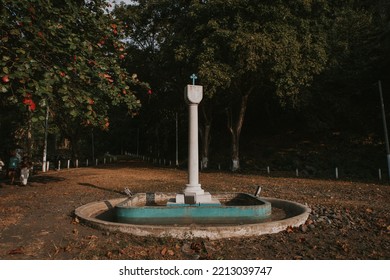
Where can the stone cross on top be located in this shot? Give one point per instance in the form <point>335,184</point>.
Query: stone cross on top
<point>193,77</point>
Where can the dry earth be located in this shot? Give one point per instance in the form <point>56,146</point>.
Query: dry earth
<point>349,220</point>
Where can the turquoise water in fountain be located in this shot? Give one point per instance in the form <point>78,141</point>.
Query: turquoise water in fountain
<point>152,208</point>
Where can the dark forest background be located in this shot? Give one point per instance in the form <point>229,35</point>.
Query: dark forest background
<point>287,84</point>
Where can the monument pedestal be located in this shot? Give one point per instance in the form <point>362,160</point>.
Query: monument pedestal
<point>194,194</point>
<point>194,199</point>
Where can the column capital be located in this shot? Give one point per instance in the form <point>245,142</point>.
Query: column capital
<point>193,94</point>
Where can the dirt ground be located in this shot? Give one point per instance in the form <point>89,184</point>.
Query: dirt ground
<point>349,220</point>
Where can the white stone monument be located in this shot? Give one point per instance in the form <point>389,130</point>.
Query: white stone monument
<point>193,193</point>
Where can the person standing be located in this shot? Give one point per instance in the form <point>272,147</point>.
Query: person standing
<point>1,166</point>
<point>13,166</point>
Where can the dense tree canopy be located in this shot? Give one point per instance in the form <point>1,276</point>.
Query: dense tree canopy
<point>241,49</point>
<point>315,61</point>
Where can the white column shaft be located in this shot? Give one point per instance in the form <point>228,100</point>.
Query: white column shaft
<point>193,152</point>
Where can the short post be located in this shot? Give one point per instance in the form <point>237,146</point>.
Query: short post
<point>177,141</point>
<point>297,172</point>
<point>104,160</point>
<point>380,174</point>
<point>86,163</point>
<point>68,163</point>
<point>268,170</point>
<point>77,163</point>
<point>59,165</point>
<point>97,161</point>
<point>337,173</point>
<point>258,191</point>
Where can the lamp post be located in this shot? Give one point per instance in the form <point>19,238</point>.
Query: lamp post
<point>385,127</point>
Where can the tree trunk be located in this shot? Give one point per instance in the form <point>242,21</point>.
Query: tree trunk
<point>44,156</point>
<point>235,131</point>
<point>205,139</point>
<point>29,138</point>
<point>235,152</point>
<point>205,136</point>
<point>74,140</point>
<point>157,143</point>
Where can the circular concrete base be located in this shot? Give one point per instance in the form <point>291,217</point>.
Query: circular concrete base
<point>99,215</point>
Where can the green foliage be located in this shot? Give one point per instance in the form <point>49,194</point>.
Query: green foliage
<point>316,55</point>
<point>239,45</point>
<point>66,54</point>
<point>273,50</point>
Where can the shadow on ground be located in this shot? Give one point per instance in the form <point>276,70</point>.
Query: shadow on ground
<point>42,179</point>
<point>101,188</point>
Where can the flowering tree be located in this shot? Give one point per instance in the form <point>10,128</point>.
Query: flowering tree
<point>66,55</point>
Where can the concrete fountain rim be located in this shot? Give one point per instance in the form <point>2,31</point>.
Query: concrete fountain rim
<point>87,214</point>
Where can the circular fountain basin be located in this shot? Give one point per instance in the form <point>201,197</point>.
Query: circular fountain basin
<point>161,209</point>
<point>102,215</point>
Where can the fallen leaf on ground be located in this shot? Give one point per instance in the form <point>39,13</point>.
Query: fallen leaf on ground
<point>16,251</point>
<point>289,230</point>
<point>92,237</point>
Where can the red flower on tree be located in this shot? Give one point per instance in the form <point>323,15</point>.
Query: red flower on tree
<point>5,79</point>
<point>32,106</point>
<point>29,102</point>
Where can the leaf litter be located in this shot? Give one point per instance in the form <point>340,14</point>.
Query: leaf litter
<point>345,223</point>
